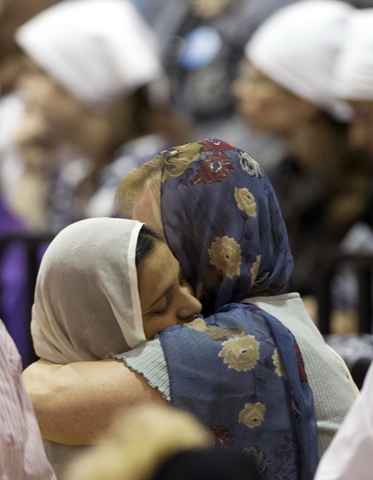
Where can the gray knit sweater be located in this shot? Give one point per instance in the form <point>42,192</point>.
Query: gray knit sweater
<point>332,391</point>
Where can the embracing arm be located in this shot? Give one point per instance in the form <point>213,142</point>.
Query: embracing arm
<point>74,403</point>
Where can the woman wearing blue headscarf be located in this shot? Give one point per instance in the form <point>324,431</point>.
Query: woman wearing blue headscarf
<point>239,370</point>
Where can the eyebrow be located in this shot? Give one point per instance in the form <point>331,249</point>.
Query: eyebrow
<point>167,291</point>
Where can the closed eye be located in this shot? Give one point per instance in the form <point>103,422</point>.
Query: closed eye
<point>168,295</point>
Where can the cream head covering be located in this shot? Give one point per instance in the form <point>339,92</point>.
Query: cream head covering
<point>297,47</point>
<point>98,50</point>
<point>87,303</point>
<point>354,69</point>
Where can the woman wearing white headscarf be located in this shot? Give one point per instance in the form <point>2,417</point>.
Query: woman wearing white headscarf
<point>354,77</point>
<point>96,286</point>
<point>92,84</point>
<point>322,186</point>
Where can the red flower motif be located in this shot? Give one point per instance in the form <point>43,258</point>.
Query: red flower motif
<point>212,145</point>
<point>213,169</point>
<point>301,370</point>
<point>222,437</point>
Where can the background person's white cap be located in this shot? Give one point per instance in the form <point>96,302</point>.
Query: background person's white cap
<point>354,69</point>
<point>297,48</point>
<point>98,50</point>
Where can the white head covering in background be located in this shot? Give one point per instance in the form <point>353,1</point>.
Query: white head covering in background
<point>87,303</point>
<point>354,69</point>
<point>98,50</point>
<point>297,47</point>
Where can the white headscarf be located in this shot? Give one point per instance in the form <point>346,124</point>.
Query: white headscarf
<point>98,50</point>
<point>87,303</point>
<point>354,69</point>
<point>297,47</point>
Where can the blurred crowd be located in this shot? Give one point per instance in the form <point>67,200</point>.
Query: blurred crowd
<point>91,89</point>
<point>87,93</point>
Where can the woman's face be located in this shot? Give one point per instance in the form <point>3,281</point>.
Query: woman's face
<point>63,118</point>
<point>265,105</point>
<point>44,95</point>
<point>166,298</point>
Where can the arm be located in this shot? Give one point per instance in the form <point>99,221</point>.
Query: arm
<point>74,403</point>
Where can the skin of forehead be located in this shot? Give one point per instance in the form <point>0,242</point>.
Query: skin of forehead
<point>143,211</point>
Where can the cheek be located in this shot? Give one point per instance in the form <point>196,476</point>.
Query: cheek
<point>158,324</point>
<point>261,109</point>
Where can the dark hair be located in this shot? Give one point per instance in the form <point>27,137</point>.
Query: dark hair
<point>146,243</point>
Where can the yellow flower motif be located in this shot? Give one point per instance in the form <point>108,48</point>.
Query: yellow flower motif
<point>254,270</point>
<point>245,201</point>
<point>225,253</point>
<point>177,160</point>
<point>240,353</point>
<point>214,332</point>
<point>198,324</point>
<point>252,415</point>
<point>277,362</point>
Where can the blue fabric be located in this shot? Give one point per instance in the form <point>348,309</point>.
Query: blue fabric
<point>239,370</point>
<point>227,371</point>
<point>222,202</point>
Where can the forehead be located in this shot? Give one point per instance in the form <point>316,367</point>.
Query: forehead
<point>156,274</point>
<point>159,260</point>
<point>147,209</point>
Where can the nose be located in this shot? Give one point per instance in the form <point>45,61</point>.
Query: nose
<point>189,306</point>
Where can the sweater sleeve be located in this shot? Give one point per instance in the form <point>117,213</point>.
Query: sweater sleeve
<point>149,360</point>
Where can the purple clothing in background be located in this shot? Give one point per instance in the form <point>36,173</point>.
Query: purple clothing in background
<point>13,284</point>
<point>21,447</point>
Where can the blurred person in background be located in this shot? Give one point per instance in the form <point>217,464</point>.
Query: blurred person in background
<point>13,299</point>
<point>324,185</point>
<point>157,443</point>
<point>95,107</point>
<point>13,13</point>
<point>354,78</point>
<point>22,453</point>
<point>202,43</point>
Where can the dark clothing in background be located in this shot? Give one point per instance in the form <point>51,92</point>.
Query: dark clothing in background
<point>304,200</point>
<point>211,464</point>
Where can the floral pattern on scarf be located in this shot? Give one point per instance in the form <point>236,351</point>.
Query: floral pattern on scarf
<point>239,370</point>
<point>234,241</point>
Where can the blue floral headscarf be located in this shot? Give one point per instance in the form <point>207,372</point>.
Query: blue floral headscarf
<point>240,370</point>
<point>234,242</point>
